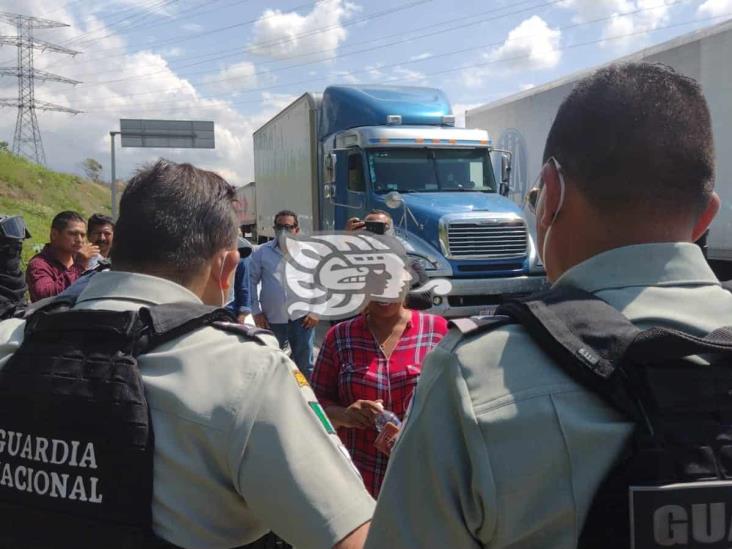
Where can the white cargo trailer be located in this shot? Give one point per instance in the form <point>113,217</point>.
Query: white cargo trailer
<point>246,209</point>
<point>521,122</point>
<point>285,166</point>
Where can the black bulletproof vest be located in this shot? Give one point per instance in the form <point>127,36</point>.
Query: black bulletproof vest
<point>672,485</point>
<point>76,440</point>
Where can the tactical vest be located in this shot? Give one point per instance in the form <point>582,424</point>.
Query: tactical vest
<point>76,439</point>
<point>672,484</point>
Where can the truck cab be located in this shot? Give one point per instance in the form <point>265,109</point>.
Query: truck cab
<point>396,149</point>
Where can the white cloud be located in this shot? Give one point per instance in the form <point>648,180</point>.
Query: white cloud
<point>172,52</point>
<point>276,101</point>
<point>458,109</point>
<point>69,139</point>
<point>713,8</point>
<point>192,27</point>
<point>421,56</point>
<point>402,75</point>
<point>626,17</point>
<point>234,78</point>
<point>280,34</point>
<point>533,44</point>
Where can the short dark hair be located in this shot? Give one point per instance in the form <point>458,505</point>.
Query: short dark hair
<point>62,219</point>
<point>174,218</point>
<point>285,213</point>
<point>636,134</point>
<point>376,211</point>
<point>99,220</point>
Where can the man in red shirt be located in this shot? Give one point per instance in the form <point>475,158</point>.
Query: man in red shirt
<point>62,260</point>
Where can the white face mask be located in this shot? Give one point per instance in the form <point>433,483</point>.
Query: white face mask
<point>558,167</point>
<point>221,280</point>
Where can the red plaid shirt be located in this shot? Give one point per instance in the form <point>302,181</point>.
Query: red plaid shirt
<point>352,367</point>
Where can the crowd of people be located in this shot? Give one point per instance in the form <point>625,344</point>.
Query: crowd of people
<point>523,429</point>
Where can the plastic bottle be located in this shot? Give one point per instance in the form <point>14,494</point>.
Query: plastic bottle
<point>386,417</point>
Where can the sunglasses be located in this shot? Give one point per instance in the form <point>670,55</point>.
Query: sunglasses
<point>532,197</point>
<point>285,227</point>
<point>14,228</point>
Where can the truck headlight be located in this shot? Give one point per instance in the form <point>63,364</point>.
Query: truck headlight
<point>426,264</point>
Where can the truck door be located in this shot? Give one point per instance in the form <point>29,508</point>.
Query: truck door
<point>350,187</point>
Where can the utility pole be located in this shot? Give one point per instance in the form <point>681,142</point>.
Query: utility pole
<point>27,139</point>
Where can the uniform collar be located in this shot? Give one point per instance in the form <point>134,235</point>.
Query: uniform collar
<point>120,285</point>
<point>660,264</point>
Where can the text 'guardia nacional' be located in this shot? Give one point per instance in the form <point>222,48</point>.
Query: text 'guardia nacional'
<point>34,479</point>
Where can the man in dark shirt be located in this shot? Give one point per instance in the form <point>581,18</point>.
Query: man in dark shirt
<point>63,259</point>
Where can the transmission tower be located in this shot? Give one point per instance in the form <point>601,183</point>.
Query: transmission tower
<point>27,139</point>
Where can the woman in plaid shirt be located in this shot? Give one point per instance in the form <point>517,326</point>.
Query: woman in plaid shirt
<point>370,361</point>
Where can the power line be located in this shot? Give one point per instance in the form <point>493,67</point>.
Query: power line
<point>236,52</point>
<point>71,41</point>
<point>436,73</point>
<point>201,34</point>
<point>27,137</point>
<point>409,61</point>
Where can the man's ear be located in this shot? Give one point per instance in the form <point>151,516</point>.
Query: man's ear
<point>706,218</point>
<point>550,197</point>
<point>229,261</point>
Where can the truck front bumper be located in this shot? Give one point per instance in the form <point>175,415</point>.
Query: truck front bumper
<point>470,296</point>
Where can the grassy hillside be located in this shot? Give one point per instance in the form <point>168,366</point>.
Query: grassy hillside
<point>38,194</point>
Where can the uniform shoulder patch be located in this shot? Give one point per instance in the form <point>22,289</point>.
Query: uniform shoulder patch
<point>249,332</point>
<point>320,413</point>
<point>479,324</point>
<point>302,381</point>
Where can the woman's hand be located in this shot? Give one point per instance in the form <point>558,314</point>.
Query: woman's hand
<point>359,415</point>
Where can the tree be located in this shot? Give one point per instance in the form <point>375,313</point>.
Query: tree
<point>92,169</point>
<point>3,146</point>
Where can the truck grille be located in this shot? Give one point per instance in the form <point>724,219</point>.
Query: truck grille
<point>495,240</point>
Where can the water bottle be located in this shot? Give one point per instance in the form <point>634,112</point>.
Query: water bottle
<point>386,417</point>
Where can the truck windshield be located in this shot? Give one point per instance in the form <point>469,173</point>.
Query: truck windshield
<point>431,170</point>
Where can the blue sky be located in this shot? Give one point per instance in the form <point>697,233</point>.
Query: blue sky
<point>238,62</point>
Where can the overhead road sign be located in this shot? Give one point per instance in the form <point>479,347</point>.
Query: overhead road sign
<point>175,134</point>
<point>167,134</point>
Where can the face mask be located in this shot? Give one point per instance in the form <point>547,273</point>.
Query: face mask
<point>556,213</point>
<point>221,282</point>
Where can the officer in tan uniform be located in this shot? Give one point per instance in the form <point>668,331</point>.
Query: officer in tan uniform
<point>501,447</point>
<point>242,446</point>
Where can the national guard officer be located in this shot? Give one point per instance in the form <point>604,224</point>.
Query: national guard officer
<point>241,446</point>
<point>502,448</point>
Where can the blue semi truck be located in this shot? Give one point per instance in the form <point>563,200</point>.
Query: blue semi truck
<point>339,154</point>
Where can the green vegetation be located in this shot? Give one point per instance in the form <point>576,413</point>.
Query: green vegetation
<point>38,194</point>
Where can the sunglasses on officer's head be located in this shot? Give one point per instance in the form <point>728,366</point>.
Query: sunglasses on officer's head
<point>532,197</point>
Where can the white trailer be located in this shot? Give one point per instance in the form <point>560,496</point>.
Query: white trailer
<point>246,209</point>
<point>285,166</point>
<point>521,122</point>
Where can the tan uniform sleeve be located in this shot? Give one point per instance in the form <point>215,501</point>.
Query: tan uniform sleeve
<point>431,493</point>
<point>293,472</point>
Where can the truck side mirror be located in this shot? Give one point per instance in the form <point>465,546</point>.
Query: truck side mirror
<point>505,168</point>
<point>505,174</point>
<point>330,167</point>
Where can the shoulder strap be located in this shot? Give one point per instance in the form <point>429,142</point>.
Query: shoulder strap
<point>585,337</point>
<point>598,346</point>
<point>249,332</point>
<point>171,320</point>
<point>53,303</point>
<point>479,324</point>
<point>572,323</point>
